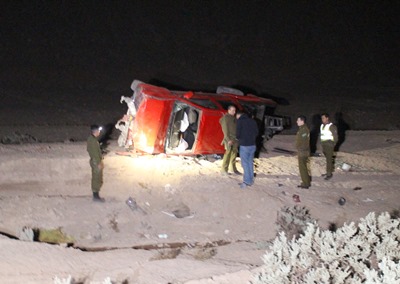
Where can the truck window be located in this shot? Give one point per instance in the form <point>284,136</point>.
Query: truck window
<point>183,129</point>
<point>254,109</point>
<point>225,104</point>
<point>204,103</point>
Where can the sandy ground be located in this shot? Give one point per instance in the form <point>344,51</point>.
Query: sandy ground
<point>53,86</point>
<point>227,230</point>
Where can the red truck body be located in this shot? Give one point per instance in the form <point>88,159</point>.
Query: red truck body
<point>184,123</point>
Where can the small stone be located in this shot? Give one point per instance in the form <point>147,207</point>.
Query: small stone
<point>342,201</point>
<point>296,198</point>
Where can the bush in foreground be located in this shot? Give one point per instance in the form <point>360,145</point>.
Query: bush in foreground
<point>293,220</point>
<point>366,253</point>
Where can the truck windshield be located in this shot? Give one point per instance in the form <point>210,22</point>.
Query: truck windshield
<point>137,99</point>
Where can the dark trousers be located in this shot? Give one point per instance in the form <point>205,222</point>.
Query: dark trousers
<point>97,176</point>
<point>328,150</point>
<point>303,169</point>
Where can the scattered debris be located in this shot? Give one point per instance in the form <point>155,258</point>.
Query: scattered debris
<point>179,214</point>
<point>162,236</point>
<point>346,167</point>
<point>296,198</point>
<point>166,254</point>
<point>134,206</point>
<point>205,253</point>
<point>182,212</point>
<point>51,236</point>
<point>169,214</point>
<point>217,157</point>
<point>26,234</point>
<point>357,188</point>
<point>143,185</point>
<point>114,223</point>
<point>342,201</point>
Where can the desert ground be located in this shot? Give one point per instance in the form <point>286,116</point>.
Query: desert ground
<point>224,230</point>
<point>189,225</point>
<point>65,65</point>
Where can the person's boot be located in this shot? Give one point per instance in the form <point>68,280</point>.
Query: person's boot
<point>97,198</point>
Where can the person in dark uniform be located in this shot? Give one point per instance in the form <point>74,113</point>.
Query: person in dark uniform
<point>329,138</point>
<point>303,151</point>
<point>228,125</point>
<point>96,162</point>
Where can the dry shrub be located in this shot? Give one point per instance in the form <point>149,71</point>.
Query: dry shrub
<point>293,220</point>
<point>364,253</point>
<point>166,254</point>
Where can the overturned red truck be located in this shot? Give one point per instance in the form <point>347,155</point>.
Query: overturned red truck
<point>186,123</point>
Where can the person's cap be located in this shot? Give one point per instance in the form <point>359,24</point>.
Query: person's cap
<point>95,127</point>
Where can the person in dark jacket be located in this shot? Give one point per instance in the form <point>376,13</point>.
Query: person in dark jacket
<point>246,134</point>
<point>96,162</point>
<point>303,151</point>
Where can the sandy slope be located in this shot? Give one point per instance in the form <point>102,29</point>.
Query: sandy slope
<point>48,186</point>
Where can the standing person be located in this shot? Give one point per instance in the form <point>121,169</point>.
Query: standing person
<point>228,125</point>
<point>246,133</point>
<point>96,162</point>
<point>329,138</point>
<point>303,151</point>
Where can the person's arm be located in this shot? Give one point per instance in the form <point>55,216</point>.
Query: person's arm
<point>298,140</point>
<point>224,127</point>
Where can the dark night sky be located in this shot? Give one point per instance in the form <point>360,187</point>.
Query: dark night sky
<point>261,45</point>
